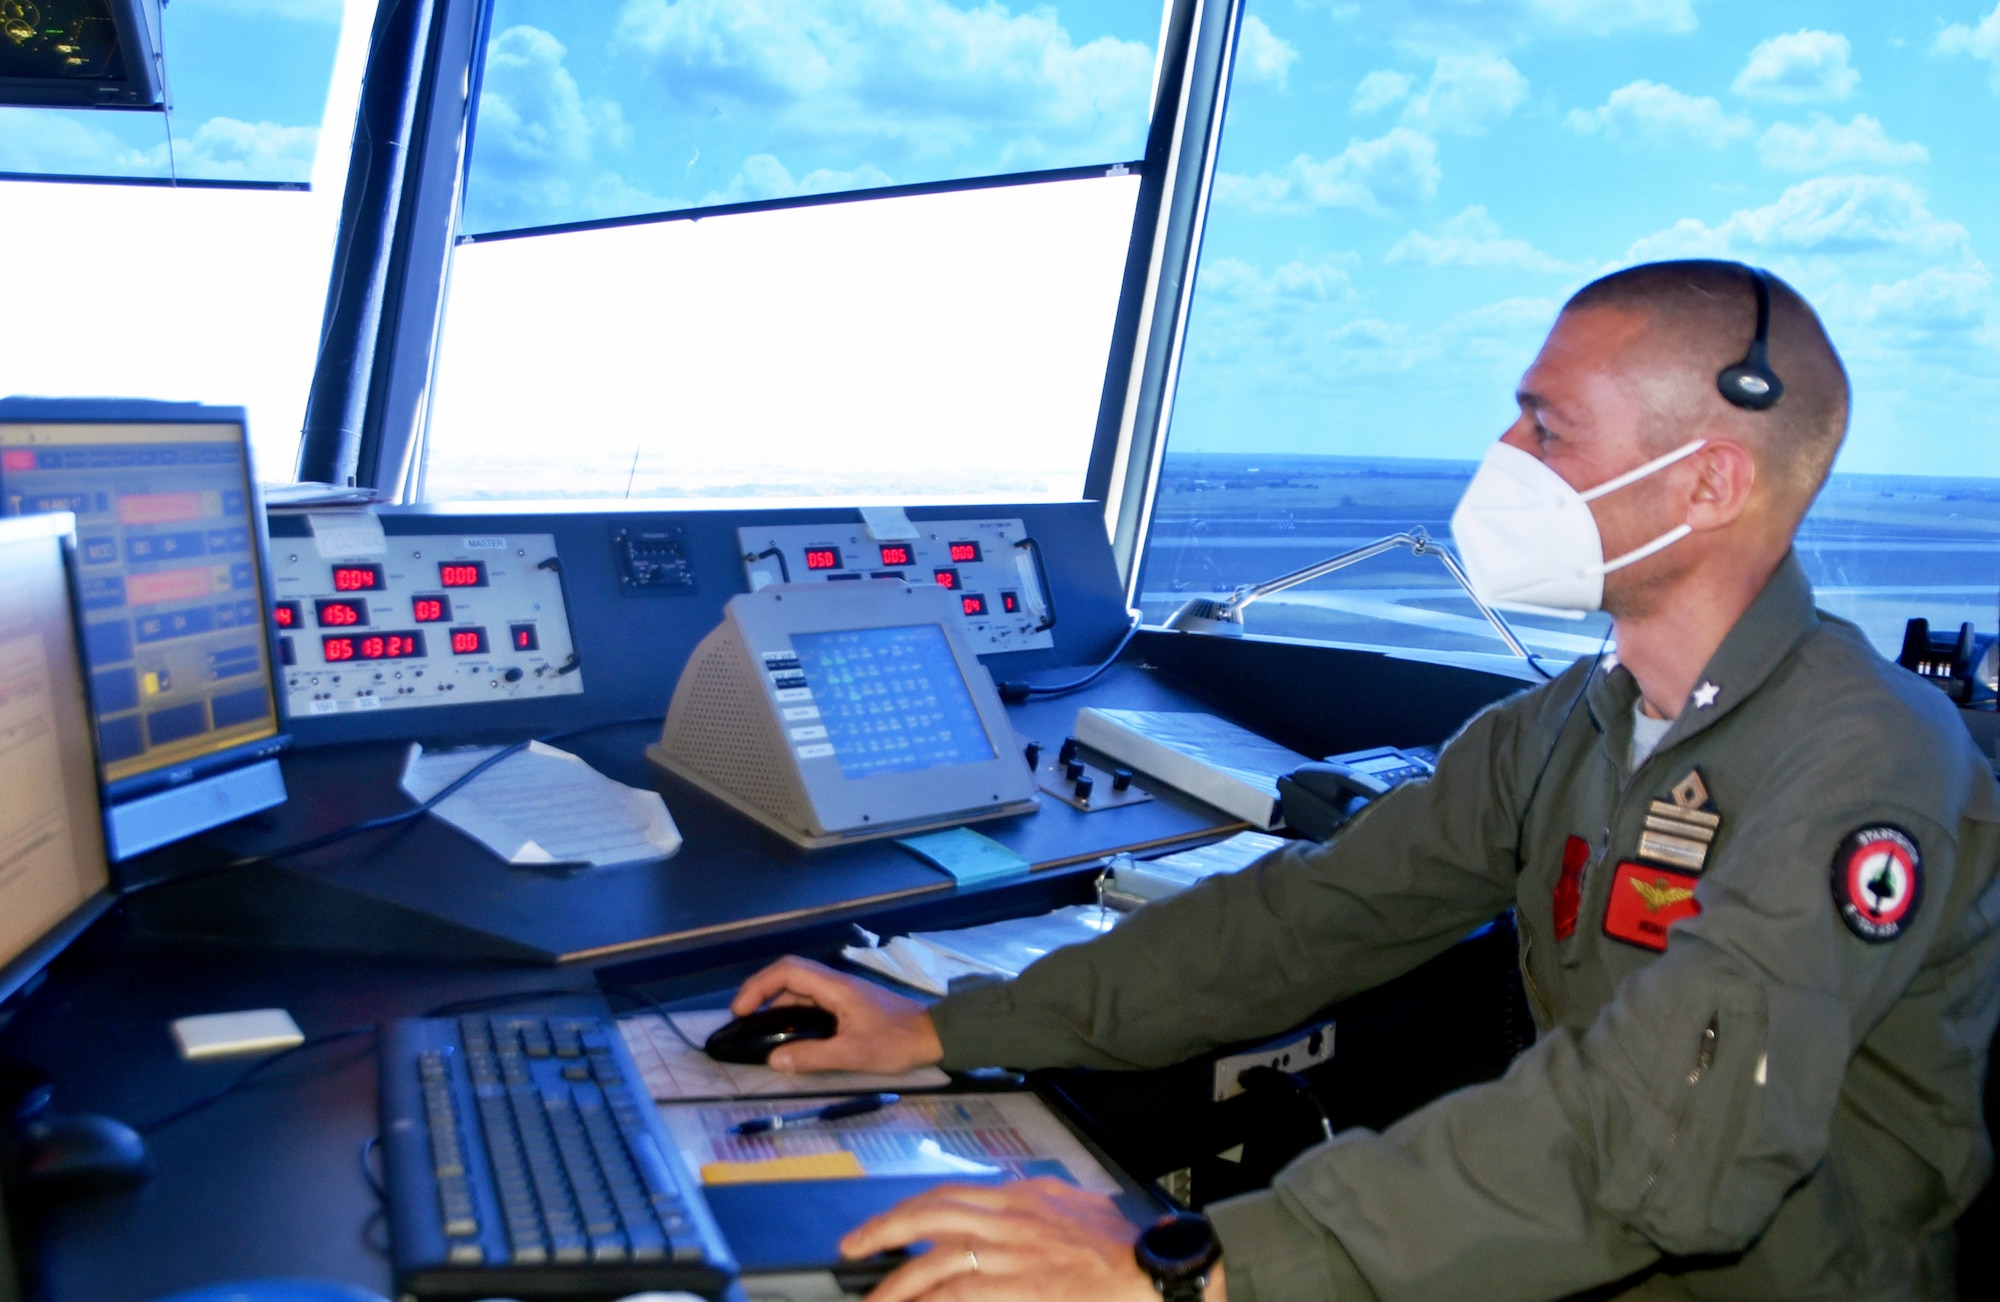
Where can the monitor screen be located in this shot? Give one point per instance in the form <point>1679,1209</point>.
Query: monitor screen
<point>51,837</point>
<point>170,581</point>
<point>892,700</point>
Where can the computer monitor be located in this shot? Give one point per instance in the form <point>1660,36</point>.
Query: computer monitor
<point>842,712</point>
<point>172,590</point>
<point>53,875</point>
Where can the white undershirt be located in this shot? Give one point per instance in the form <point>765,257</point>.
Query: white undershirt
<point>1646,734</point>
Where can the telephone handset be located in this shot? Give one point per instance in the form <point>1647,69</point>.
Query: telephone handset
<point>1319,798</point>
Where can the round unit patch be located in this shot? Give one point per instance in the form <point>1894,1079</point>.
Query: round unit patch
<point>1877,881</point>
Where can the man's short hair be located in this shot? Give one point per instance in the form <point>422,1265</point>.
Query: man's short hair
<point>1704,315</point>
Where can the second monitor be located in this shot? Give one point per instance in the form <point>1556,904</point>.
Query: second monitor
<point>843,713</point>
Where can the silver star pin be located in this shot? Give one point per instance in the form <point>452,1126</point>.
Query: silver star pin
<point>1704,695</point>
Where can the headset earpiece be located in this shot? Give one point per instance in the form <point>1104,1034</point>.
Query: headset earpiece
<point>1751,383</point>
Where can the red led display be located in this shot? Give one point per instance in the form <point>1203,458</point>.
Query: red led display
<point>341,614</point>
<point>391,646</point>
<point>357,578</point>
<point>972,604</point>
<point>430,610</point>
<point>468,641</point>
<point>286,614</point>
<point>337,649</point>
<point>964,553</point>
<point>462,574</point>
<point>897,554</point>
<point>822,558</point>
<point>524,637</point>
<point>1010,602</point>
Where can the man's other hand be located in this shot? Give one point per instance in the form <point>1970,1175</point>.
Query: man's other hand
<point>1032,1239</point>
<point>878,1031</point>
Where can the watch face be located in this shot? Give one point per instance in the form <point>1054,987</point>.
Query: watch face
<point>1177,1246</point>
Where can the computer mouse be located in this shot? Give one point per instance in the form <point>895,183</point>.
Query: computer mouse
<point>83,1154</point>
<point>750,1039</point>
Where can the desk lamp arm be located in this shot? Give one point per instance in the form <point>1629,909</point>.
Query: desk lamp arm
<point>1207,615</point>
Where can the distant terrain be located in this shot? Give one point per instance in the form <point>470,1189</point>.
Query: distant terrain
<point>1879,549</point>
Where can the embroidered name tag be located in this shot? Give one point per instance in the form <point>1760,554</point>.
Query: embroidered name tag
<point>1646,901</point>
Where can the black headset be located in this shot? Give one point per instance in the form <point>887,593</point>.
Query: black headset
<point>1751,383</point>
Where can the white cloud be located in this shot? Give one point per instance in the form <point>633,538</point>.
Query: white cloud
<point>45,140</point>
<point>220,149</point>
<point>1798,68</point>
<point>1600,17</point>
<point>1262,56</point>
<point>1647,111</point>
<point>1466,91</point>
<point>226,149</point>
<point>764,177</point>
<point>1981,42</point>
<point>1823,215</point>
<point>1240,281</point>
<point>1395,170</point>
<point>1473,239</point>
<point>1379,89</point>
<point>540,139</point>
<point>1824,143</point>
<point>1935,300</point>
<point>916,76</point>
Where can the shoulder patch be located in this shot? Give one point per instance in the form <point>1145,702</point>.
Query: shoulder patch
<point>1878,881</point>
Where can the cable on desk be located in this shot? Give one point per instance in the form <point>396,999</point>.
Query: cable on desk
<point>1019,690</point>
<point>387,820</point>
<point>647,1001</point>
<point>368,1146</point>
<point>244,1079</point>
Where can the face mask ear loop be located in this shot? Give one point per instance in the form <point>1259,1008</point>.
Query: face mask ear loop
<point>1665,540</point>
<point>1637,473</point>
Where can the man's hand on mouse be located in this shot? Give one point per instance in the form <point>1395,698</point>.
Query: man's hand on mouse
<point>1031,1239</point>
<point>877,1032</point>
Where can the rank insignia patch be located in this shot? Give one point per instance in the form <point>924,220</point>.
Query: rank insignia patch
<point>1645,902</point>
<point>1679,832</point>
<point>1569,887</point>
<point>1877,881</point>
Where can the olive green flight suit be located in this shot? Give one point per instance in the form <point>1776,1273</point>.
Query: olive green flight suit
<point>1766,1100</point>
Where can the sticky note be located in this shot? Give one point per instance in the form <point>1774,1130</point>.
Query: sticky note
<point>966,855</point>
<point>840,1165</point>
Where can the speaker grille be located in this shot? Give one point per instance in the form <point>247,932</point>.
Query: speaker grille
<point>710,731</point>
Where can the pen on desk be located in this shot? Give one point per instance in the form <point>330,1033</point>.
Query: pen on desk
<point>859,1106</point>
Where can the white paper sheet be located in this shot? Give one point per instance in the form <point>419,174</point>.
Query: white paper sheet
<point>545,805</point>
<point>674,1070</point>
<point>342,534</point>
<point>936,1134</point>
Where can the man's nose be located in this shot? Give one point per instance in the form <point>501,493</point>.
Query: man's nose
<point>1521,434</point>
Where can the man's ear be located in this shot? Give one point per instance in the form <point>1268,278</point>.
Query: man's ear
<point>1725,475</point>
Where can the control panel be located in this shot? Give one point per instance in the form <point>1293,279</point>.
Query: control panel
<point>993,568</point>
<point>423,620</point>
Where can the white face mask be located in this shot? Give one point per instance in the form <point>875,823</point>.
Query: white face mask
<point>1529,541</point>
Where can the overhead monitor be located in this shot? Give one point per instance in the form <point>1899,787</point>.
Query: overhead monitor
<point>842,712</point>
<point>82,54</point>
<point>52,866</point>
<point>172,591</point>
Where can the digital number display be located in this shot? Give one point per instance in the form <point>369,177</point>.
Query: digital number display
<point>287,614</point>
<point>1010,602</point>
<point>341,614</point>
<point>897,554</point>
<point>462,574</point>
<point>430,610</point>
<point>822,558</point>
<point>972,604</point>
<point>946,578</point>
<point>373,646</point>
<point>964,553</point>
<point>357,578</point>
<point>468,641</point>
<point>524,637</point>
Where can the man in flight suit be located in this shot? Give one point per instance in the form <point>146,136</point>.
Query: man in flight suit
<point>1754,867</point>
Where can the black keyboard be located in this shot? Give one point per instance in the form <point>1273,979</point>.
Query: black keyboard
<point>525,1159</point>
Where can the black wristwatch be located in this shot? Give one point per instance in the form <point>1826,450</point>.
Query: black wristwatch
<point>1177,1252</point>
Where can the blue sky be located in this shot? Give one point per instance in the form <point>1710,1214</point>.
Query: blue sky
<point>1409,188</point>
<point>249,81</point>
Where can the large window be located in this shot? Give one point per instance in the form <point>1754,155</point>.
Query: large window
<point>193,293</point>
<point>1407,192</point>
<point>944,342</point>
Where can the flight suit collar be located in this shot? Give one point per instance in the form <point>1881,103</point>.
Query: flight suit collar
<point>1762,637</point>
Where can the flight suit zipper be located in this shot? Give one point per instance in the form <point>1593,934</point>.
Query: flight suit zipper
<point>1704,1058</point>
<point>1528,978</point>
